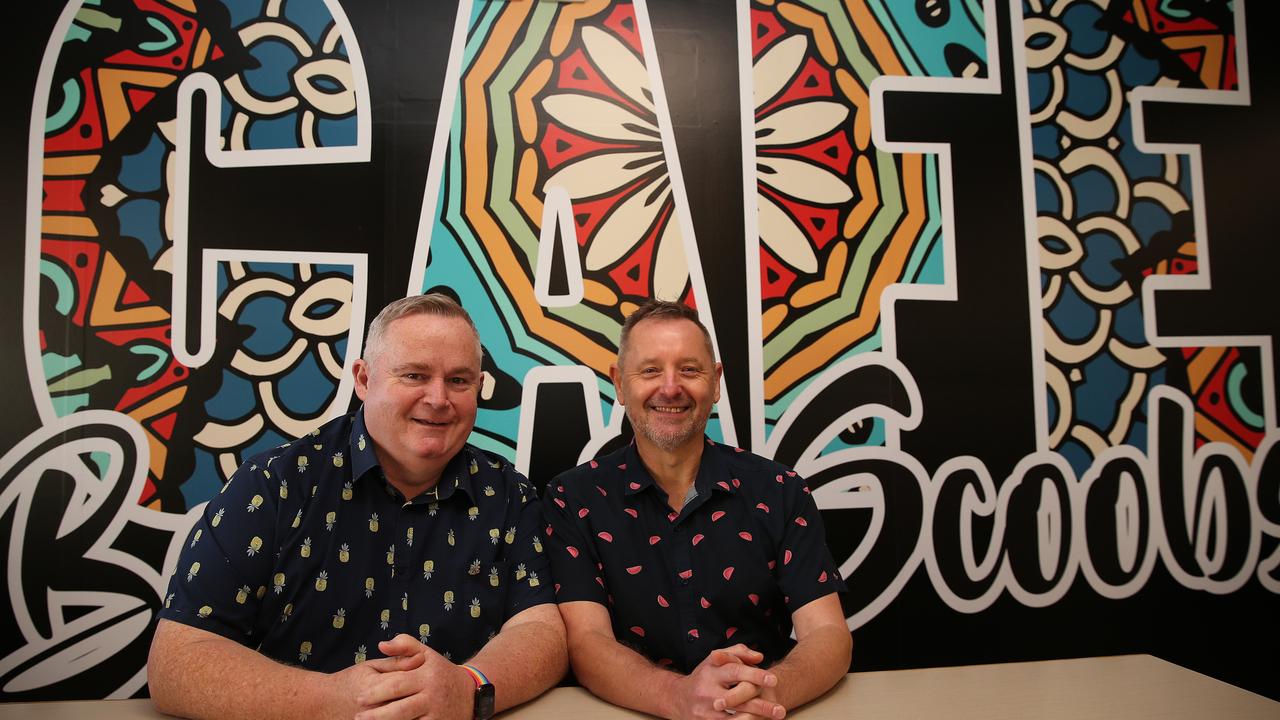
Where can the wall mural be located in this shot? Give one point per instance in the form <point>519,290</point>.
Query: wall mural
<point>554,203</point>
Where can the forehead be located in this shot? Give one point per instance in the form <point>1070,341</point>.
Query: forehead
<point>668,338</point>
<point>430,339</point>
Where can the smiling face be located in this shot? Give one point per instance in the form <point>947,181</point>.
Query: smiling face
<point>668,381</point>
<point>420,391</point>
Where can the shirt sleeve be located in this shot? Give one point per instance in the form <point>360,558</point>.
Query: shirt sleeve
<point>225,567</point>
<point>573,558</point>
<point>806,570</point>
<point>529,568</point>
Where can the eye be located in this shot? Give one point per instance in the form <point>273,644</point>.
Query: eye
<point>412,377</point>
<point>650,371</point>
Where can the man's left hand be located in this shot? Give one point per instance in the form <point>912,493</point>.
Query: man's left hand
<point>436,689</point>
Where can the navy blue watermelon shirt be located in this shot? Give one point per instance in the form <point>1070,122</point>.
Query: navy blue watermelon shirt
<point>745,550</point>
<point>311,557</point>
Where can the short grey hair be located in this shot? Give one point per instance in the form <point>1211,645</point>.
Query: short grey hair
<point>662,310</point>
<point>434,304</point>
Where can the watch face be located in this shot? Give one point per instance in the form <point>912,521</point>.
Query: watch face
<point>484,702</point>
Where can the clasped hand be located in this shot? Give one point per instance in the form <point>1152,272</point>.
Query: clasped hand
<point>412,681</point>
<point>728,682</point>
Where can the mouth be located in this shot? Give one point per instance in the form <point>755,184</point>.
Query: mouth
<point>668,409</point>
<point>430,423</point>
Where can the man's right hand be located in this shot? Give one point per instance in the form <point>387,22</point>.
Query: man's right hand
<point>727,679</point>
<point>347,685</point>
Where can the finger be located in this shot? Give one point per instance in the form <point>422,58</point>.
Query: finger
<point>398,663</point>
<point>401,644</point>
<point>738,694</point>
<point>387,688</point>
<point>734,673</point>
<point>744,653</point>
<point>402,709</point>
<point>721,657</point>
<point>763,708</point>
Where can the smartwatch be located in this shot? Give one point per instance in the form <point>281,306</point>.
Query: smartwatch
<point>484,694</point>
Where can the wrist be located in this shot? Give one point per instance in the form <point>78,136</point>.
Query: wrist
<point>672,691</point>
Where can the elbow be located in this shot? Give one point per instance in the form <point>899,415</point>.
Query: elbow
<point>161,680</point>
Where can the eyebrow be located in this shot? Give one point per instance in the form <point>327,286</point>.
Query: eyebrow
<point>420,367</point>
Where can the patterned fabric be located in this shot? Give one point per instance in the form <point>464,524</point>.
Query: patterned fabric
<point>746,550</point>
<point>310,556</point>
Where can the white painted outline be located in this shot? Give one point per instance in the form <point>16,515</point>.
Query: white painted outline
<point>557,211</point>
<point>196,82</point>
<point>430,210</point>
<point>1201,279</point>
<point>89,494</point>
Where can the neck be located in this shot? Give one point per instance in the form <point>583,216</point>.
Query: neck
<point>410,479</point>
<point>673,470</point>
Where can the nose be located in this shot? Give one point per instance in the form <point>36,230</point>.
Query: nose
<point>433,393</point>
<point>671,382</point>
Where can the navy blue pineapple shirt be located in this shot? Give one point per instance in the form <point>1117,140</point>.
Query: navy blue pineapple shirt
<point>311,557</point>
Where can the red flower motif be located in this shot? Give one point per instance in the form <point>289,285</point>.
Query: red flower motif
<point>745,535</point>
<point>802,522</point>
<point>729,633</point>
<point>704,602</point>
<point>634,569</point>
<point>573,551</point>
<point>786,557</point>
<point>728,572</point>
<point>685,574</point>
<point>697,539</point>
<point>754,598</point>
<point>717,515</point>
<point>583,512</point>
<point>653,539</point>
<point>605,536</point>
<point>637,630</point>
<point>602,491</point>
<point>631,511</point>
<point>762,506</point>
<point>823,577</point>
<point>662,601</point>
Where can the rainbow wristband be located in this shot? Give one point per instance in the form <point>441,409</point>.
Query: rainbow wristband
<point>476,675</point>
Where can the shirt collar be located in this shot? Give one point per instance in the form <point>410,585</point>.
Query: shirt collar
<point>713,473</point>
<point>457,474</point>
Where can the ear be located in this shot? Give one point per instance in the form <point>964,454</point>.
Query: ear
<point>719,372</point>
<point>360,368</point>
<point>616,376</point>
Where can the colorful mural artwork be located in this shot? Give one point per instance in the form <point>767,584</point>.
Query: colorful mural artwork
<point>554,203</point>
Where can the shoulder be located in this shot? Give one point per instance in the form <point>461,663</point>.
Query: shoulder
<point>759,472</point>
<point>492,470</point>
<point>597,471</point>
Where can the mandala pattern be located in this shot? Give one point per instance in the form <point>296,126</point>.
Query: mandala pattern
<point>106,236</point>
<point>839,222</point>
<point>556,95</point>
<point>1108,216</point>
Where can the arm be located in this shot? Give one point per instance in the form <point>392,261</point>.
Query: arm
<point>521,661</point>
<point>622,676</point>
<point>525,658</point>
<point>819,659</point>
<point>198,674</point>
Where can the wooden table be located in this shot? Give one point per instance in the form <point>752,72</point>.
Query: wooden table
<point>1125,686</point>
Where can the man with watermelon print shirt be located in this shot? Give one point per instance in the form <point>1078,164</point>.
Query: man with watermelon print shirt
<point>682,565</point>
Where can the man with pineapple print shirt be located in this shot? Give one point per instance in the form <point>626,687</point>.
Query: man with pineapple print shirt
<point>344,574</point>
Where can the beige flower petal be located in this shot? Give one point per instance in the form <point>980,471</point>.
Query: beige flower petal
<point>671,266</point>
<point>776,67</point>
<point>601,173</point>
<point>619,65</point>
<point>781,235</point>
<point>598,118</point>
<point>797,123</point>
<point>625,226</point>
<point>802,180</point>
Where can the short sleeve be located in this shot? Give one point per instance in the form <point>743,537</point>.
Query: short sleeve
<point>529,567</point>
<point>806,570</point>
<point>225,566</point>
<point>573,560</point>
